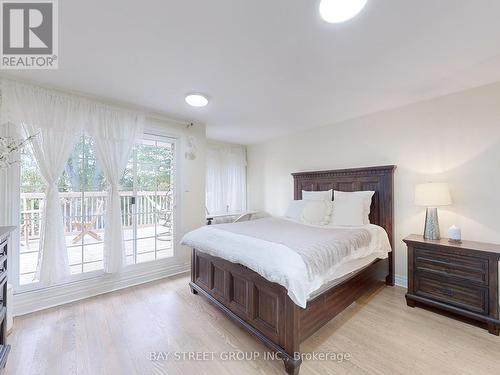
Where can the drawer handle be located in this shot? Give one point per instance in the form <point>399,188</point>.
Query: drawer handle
<point>447,292</point>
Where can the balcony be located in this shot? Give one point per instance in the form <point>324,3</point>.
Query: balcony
<point>147,229</point>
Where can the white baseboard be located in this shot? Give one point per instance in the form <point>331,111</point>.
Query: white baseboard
<point>27,302</point>
<point>401,281</point>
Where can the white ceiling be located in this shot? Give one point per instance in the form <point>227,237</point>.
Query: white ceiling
<point>272,67</point>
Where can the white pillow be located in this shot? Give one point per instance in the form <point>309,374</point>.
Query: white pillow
<point>317,212</point>
<point>317,195</point>
<point>294,210</point>
<point>365,196</point>
<point>348,212</point>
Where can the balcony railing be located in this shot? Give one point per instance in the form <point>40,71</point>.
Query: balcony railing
<point>89,208</point>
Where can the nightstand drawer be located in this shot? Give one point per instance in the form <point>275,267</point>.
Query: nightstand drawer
<point>466,268</point>
<point>470,298</point>
<point>3,301</point>
<point>3,248</point>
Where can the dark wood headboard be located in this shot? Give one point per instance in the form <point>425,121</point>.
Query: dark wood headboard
<point>378,179</point>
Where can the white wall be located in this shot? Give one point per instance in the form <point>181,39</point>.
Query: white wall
<point>455,138</point>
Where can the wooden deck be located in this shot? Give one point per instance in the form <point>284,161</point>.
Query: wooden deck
<point>93,251</point>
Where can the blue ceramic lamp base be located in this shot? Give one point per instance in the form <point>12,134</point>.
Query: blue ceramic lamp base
<point>431,231</point>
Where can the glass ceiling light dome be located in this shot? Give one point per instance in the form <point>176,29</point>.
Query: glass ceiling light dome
<point>336,11</point>
<point>196,100</point>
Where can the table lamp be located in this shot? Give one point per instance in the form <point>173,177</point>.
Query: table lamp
<point>432,195</point>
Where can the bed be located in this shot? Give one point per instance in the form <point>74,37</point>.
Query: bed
<point>265,308</point>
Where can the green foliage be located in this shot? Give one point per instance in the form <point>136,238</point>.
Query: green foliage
<point>31,180</point>
<point>82,172</point>
<point>154,168</point>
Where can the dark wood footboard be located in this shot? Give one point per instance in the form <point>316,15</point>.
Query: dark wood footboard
<point>264,309</point>
<point>259,306</point>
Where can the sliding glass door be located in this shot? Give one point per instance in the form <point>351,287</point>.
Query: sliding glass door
<point>82,190</point>
<point>148,200</point>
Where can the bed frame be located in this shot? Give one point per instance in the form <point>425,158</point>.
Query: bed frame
<point>263,308</point>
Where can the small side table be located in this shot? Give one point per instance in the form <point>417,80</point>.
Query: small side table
<point>211,218</point>
<point>461,278</point>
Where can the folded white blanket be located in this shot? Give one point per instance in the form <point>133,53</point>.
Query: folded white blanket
<point>299,257</point>
<point>320,247</point>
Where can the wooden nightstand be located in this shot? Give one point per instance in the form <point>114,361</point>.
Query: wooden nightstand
<point>459,278</point>
<point>4,243</point>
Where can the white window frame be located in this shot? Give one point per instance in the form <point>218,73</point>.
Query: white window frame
<point>14,190</point>
<point>175,218</point>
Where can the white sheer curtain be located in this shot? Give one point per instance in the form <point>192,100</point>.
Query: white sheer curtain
<point>226,178</point>
<point>57,121</point>
<point>115,133</point>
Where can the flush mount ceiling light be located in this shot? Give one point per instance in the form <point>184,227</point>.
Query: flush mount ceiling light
<point>336,11</point>
<point>196,100</point>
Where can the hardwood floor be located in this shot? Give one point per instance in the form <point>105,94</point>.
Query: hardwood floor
<point>113,334</point>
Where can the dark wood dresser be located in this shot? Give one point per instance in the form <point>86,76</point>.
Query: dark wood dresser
<point>459,278</point>
<point>4,241</point>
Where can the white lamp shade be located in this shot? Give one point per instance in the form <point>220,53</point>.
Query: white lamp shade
<point>432,194</point>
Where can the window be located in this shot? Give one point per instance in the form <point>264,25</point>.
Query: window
<point>226,179</point>
<point>82,190</point>
<point>147,201</point>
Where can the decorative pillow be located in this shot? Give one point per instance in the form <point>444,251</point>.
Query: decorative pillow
<point>317,212</point>
<point>348,212</point>
<point>365,196</point>
<point>294,210</point>
<point>317,195</point>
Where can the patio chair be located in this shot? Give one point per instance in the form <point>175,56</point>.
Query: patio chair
<point>164,219</point>
<point>87,228</point>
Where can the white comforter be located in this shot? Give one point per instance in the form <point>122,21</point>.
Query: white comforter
<point>279,263</point>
